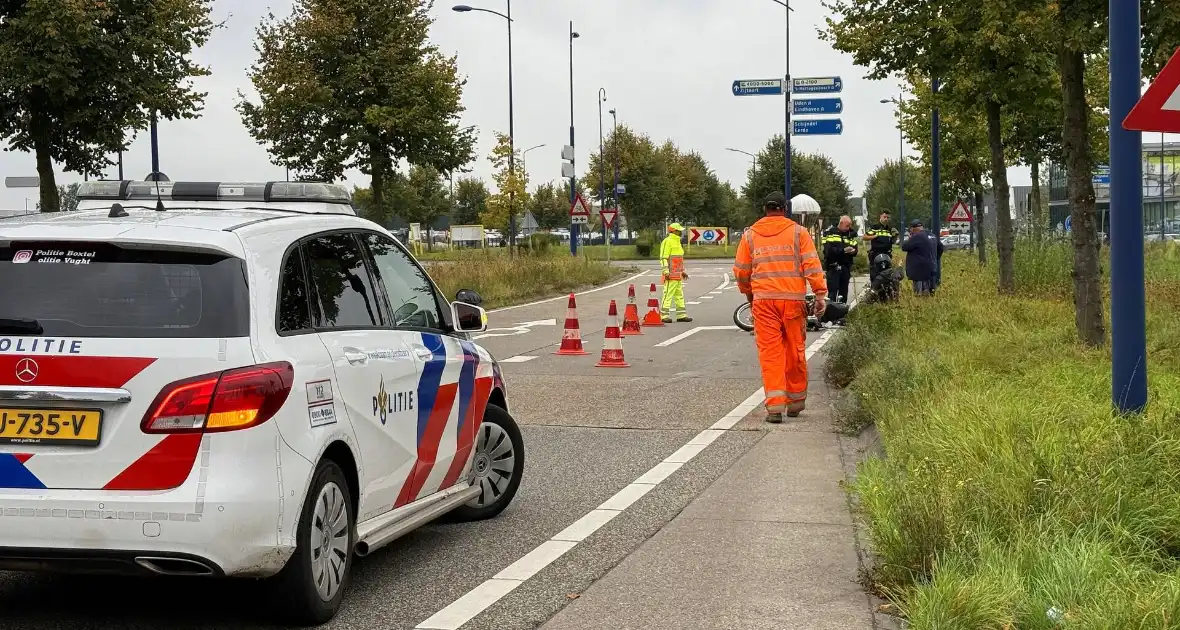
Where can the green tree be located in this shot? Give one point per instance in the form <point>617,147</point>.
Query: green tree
<point>76,77</point>
<point>811,174</point>
<point>354,84</point>
<point>512,187</point>
<point>885,182</point>
<point>650,196</point>
<point>471,201</point>
<point>550,205</point>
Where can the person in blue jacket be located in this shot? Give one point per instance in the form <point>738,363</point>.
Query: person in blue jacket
<point>923,251</point>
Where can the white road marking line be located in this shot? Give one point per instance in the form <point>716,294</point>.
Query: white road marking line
<point>707,297</point>
<point>692,303</point>
<point>566,297</point>
<point>489,592</point>
<point>692,331</point>
<point>520,358</point>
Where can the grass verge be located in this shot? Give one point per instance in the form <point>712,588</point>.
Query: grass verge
<point>503,281</point>
<point>1011,495</point>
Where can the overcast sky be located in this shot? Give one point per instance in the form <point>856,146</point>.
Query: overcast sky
<point>667,65</point>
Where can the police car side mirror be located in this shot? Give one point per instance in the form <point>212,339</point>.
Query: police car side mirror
<point>468,318</point>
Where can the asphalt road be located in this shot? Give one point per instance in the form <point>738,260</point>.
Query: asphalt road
<point>589,432</point>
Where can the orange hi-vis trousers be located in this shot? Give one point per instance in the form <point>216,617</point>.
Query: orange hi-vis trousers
<point>780,330</point>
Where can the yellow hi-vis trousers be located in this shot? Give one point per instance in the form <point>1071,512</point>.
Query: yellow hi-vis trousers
<point>674,298</point>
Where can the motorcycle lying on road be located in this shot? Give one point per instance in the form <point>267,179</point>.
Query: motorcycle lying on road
<point>743,315</point>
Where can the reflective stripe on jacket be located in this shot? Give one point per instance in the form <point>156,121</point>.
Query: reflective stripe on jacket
<point>776,260</point>
<point>672,257</point>
<point>834,241</point>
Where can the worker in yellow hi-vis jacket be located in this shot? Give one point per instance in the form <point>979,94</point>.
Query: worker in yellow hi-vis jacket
<point>674,275</point>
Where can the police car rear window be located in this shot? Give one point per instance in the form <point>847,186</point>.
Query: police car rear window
<point>102,290</point>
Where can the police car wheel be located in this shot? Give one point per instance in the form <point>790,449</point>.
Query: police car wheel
<point>311,586</point>
<point>496,467</point>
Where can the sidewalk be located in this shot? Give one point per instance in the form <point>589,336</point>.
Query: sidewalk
<point>769,545</point>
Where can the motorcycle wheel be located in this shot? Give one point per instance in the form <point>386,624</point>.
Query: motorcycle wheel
<point>743,317</point>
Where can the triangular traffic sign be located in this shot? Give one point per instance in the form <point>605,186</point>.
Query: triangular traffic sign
<point>579,208</point>
<point>1159,108</point>
<point>959,212</point>
<point>608,216</point>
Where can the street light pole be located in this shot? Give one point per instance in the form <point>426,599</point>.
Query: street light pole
<point>462,8</point>
<point>601,154</point>
<point>1128,317</point>
<point>787,85</point>
<point>524,159</point>
<point>573,174</point>
<point>615,192</point>
<point>935,180</point>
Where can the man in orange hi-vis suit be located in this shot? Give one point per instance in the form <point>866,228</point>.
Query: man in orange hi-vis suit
<point>776,260</point>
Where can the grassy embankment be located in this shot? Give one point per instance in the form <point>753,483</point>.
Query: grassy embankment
<point>503,281</point>
<point>1011,495</point>
<point>593,252</point>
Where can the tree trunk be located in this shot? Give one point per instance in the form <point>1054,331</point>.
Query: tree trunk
<point>1000,192</point>
<point>377,168</point>
<point>1079,163</point>
<point>50,200</point>
<point>1036,213</point>
<point>980,241</point>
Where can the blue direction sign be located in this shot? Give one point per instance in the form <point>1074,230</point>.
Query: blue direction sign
<point>805,106</point>
<point>1101,174</point>
<point>818,127</point>
<point>758,87</point>
<point>817,85</point>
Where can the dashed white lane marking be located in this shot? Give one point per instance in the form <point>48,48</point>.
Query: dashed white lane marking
<point>688,333</point>
<point>692,303</point>
<point>566,297</point>
<point>707,297</point>
<point>520,358</point>
<point>492,590</point>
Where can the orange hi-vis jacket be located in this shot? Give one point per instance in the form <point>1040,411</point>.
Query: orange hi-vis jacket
<point>776,259</point>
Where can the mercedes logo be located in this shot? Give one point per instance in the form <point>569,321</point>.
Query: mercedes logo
<point>27,370</point>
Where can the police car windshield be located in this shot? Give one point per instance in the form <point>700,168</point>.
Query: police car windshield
<point>63,289</point>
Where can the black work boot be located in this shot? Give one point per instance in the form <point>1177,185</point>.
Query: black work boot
<point>774,418</point>
<point>684,319</point>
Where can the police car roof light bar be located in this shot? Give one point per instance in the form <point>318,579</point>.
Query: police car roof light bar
<point>126,190</point>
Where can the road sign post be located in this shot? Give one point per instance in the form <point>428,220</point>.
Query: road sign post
<point>579,211</point>
<point>1128,312</point>
<point>959,218</point>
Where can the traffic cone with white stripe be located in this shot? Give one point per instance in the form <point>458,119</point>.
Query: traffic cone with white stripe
<point>653,317</point>
<point>612,346</point>
<point>571,337</point>
<point>631,315</point>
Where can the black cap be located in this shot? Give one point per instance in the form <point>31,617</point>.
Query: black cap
<point>915,223</point>
<point>775,200</point>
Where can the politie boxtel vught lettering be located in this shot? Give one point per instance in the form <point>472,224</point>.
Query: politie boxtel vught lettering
<point>44,346</point>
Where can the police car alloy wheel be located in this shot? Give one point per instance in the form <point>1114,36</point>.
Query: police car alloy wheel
<point>496,466</point>
<point>311,586</point>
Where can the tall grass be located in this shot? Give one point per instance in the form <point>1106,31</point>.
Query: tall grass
<point>503,281</point>
<point>1010,488</point>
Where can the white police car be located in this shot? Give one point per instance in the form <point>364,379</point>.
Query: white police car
<point>239,380</point>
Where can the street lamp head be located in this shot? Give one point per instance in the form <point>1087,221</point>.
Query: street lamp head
<point>611,112</point>
<point>575,35</point>
<point>461,8</point>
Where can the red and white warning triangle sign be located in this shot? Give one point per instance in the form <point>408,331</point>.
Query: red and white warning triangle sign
<point>579,211</point>
<point>1159,109</point>
<point>959,212</point>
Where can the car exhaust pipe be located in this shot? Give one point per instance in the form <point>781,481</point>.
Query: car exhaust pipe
<point>174,566</point>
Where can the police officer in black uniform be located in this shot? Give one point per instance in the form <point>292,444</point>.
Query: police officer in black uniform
<point>881,237</point>
<point>839,249</point>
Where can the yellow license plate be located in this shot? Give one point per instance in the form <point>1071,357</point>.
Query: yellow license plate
<point>67,427</point>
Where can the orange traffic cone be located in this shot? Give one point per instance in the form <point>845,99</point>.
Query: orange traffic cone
<point>653,317</point>
<point>631,315</point>
<point>571,337</point>
<point>612,347</point>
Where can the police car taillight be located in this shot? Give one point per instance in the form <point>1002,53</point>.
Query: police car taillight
<point>225,401</point>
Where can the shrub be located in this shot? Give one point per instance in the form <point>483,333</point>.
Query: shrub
<point>646,242</point>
